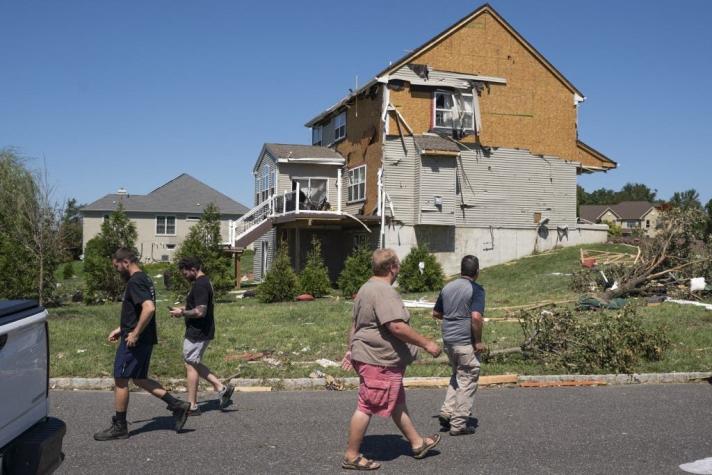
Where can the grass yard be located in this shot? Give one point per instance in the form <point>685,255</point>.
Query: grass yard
<point>297,334</point>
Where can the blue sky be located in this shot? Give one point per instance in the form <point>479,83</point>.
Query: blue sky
<point>132,93</point>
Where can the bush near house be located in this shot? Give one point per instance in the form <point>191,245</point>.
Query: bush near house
<point>314,279</point>
<point>357,270</point>
<point>414,279</point>
<point>102,282</point>
<point>281,283</point>
<point>204,242</point>
<point>68,271</point>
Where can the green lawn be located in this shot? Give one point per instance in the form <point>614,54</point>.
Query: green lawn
<point>296,334</point>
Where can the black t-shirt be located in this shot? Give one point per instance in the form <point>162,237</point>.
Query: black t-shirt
<point>201,293</point>
<point>139,288</point>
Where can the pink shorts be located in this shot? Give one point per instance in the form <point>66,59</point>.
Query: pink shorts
<point>380,389</point>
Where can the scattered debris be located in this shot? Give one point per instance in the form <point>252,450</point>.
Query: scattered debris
<point>246,356</point>
<point>316,374</point>
<point>697,283</point>
<point>272,361</point>
<point>82,350</point>
<point>325,363</point>
<point>304,298</point>
<point>333,384</point>
<point>421,303</point>
<point>707,306</point>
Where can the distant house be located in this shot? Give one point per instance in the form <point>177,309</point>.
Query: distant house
<point>629,215</point>
<point>163,216</point>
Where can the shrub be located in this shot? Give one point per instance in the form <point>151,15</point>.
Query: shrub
<point>204,242</point>
<point>357,270</point>
<point>102,282</point>
<point>68,271</point>
<point>591,342</point>
<point>314,279</point>
<point>614,230</point>
<point>414,279</point>
<point>280,283</point>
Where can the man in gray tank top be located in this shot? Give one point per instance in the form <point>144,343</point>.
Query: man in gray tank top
<point>461,306</point>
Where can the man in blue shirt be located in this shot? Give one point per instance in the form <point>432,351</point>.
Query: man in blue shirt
<point>461,306</point>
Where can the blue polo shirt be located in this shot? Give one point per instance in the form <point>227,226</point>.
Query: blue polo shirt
<point>456,302</point>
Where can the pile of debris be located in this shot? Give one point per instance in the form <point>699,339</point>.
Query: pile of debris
<point>675,263</point>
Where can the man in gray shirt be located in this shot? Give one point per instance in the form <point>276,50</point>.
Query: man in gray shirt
<point>461,306</point>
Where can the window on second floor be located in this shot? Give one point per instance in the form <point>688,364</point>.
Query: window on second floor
<point>340,126</point>
<point>453,110</point>
<point>357,184</point>
<point>316,135</point>
<point>165,225</point>
<point>264,184</point>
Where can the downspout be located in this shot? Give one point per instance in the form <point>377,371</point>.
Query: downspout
<point>381,191</point>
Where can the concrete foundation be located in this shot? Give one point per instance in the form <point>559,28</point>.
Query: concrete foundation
<point>491,245</point>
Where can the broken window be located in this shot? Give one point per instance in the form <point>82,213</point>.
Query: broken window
<point>340,126</point>
<point>454,110</point>
<point>316,135</point>
<point>312,192</point>
<point>357,184</point>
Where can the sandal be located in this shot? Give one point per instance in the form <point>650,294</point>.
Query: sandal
<point>360,463</point>
<point>422,451</point>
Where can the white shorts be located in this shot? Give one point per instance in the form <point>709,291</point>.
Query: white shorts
<point>193,350</point>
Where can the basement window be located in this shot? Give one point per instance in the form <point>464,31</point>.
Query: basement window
<point>340,126</point>
<point>453,111</point>
<point>357,184</point>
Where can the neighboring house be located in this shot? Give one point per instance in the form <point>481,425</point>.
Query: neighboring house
<point>469,143</point>
<point>629,215</point>
<point>163,216</point>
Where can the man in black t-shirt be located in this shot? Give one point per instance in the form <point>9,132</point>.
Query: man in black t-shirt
<point>199,331</point>
<point>136,335</point>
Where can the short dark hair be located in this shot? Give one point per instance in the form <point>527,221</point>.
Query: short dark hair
<point>126,254</point>
<point>190,263</point>
<point>470,266</point>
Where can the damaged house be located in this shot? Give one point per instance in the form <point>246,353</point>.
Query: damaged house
<point>469,143</point>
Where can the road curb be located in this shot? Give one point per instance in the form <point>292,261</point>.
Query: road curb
<point>304,384</point>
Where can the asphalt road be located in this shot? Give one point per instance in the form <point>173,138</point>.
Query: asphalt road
<point>626,429</point>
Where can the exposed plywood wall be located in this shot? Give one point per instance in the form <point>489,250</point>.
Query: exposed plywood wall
<point>533,111</point>
<point>362,145</point>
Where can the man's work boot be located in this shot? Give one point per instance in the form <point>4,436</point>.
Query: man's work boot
<point>118,430</point>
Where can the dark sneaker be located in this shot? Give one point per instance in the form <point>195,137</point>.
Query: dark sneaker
<point>180,413</point>
<point>225,396</point>
<point>463,431</point>
<point>444,422</point>
<point>118,430</point>
<point>194,412</point>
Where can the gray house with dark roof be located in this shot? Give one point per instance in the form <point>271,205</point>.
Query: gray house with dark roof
<point>631,216</point>
<point>163,216</point>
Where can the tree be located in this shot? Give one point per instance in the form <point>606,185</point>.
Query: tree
<point>205,242</point>
<point>636,192</point>
<point>280,283</point>
<point>314,279</point>
<point>357,270</point>
<point>30,244</point>
<point>689,199</point>
<point>708,209</point>
<point>102,282</point>
<point>420,271</point>
<point>603,196</point>
<point>71,230</point>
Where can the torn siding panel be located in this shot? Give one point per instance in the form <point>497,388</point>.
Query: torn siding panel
<point>437,190</point>
<point>400,178</point>
<point>508,186</point>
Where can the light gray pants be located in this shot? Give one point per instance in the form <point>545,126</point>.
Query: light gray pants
<point>463,384</point>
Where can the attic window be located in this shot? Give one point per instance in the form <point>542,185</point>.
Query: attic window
<point>340,126</point>
<point>316,135</point>
<point>453,110</point>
